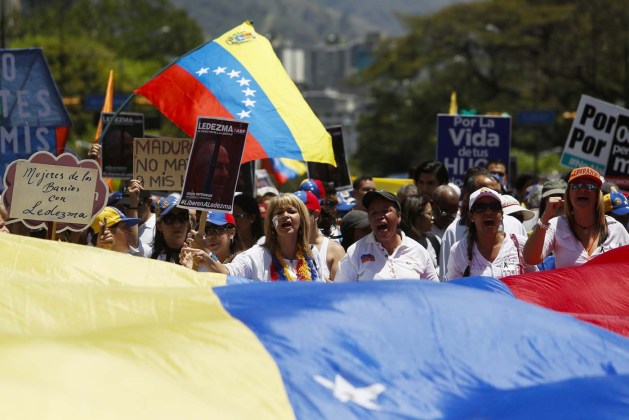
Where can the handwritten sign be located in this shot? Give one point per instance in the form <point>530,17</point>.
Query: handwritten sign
<point>160,163</point>
<point>49,189</point>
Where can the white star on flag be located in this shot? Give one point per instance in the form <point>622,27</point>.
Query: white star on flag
<point>244,82</point>
<point>202,71</point>
<point>233,74</point>
<point>219,70</point>
<point>344,391</point>
<point>244,114</point>
<point>249,103</point>
<point>249,92</point>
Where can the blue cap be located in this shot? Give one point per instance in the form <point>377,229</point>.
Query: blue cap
<point>221,219</point>
<point>620,204</point>
<point>310,185</point>
<point>344,204</point>
<point>114,198</point>
<point>166,204</point>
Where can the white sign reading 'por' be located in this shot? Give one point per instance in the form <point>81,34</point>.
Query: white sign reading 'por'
<point>53,193</point>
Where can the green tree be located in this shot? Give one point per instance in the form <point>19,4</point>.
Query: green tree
<point>499,57</point>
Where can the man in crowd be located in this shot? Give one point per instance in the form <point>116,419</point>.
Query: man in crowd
<point>362,185</point>
<point>445,207</point>
<point>428,176</point>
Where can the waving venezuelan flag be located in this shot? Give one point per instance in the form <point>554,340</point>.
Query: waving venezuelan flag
<point>239,76</point>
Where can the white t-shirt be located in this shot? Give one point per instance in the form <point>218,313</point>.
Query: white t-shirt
<point>506,263</point>
<point>323,258</point>
<point>368,260</point>
<point>569,251</point>
<point>146,233</point>
<point>255,264</point>
<point>457,231</point>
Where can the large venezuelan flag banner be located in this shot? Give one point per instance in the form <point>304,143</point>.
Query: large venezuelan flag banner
<point>87,333</point>
<point>239,76</point>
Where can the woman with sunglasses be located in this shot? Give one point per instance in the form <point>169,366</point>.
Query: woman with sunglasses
<point>583,232</point>
<point>487,250</point>
<point>285,255</point>
<point>171,229</point>
<point>219,239</point>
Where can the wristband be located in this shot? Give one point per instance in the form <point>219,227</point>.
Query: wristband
<point>542,225</point>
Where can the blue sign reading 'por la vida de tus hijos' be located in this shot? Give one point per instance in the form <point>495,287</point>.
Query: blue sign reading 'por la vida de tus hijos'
<point>465,141</point>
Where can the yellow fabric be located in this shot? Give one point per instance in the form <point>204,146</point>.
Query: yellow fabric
<point>454,109</point>
<point>88,333</point>
<point>391,184</point>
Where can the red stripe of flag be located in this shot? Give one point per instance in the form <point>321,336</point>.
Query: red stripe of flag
<point>182,98</point>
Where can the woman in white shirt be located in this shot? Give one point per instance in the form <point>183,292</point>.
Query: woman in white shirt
<point>487,250</point>
<point>286,254</point>
<point>583,232</point>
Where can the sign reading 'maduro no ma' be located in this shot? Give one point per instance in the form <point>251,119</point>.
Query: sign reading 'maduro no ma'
<point>32,115</point>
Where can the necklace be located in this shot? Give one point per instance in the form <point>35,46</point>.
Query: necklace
<point>586,229</point>
<point>305,268</point>
<point>591,246</point>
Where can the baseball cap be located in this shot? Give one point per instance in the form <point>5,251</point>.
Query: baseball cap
<point>616,203</point>
<point>166,204</point>
<point>554,186</point>
<point>262,191</point>
<point>372,195</point>
<point>220,219</point>
<point>510,205</point>
<point>315,186</point>
<point>355,219</point>
<point>484,192</point>
<point>114,198</point>
<point>308,199</point>
<point>585,172</point>
<point>113,216</point>
<point>345,204</point>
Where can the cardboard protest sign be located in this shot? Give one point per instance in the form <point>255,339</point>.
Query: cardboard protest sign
<point>618,162</point>
<point>590,139</point>
<point>338,175</point>
<point>61,189</point>
<point>160,163</point>
<point>117,144</point>
<point>214,164</point>
<point>464,141</point>
<point>33,115</point>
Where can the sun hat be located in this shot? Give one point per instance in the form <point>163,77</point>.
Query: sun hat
<point>510,205</point>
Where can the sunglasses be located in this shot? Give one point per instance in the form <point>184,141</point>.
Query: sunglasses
<point>500,174</point>
<point>481,207</point>
<point>171,218</point>
<point>215,230</point>
<point>589,187</point>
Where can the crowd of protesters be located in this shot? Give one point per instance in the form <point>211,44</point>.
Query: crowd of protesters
<point>431,230</point>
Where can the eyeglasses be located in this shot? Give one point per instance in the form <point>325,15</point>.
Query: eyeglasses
<point>589,187</point>
<point>481,207</point>
<point>171,218</point>
<point>444,213</point>
<point>215,230</point>
<point>240,215</point>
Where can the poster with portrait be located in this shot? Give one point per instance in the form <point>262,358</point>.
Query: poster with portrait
<point>214,164</point>
<point>117,144</point>
<point>338,175</point>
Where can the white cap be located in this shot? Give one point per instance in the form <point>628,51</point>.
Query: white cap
<point>484,192</point>
<point>267,190</point>
<point>511,205</point>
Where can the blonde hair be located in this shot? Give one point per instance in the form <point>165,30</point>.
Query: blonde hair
<point>303,234</point>
<point>599,216</point>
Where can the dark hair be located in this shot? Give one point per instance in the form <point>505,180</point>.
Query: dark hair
<point>327,220</point>
<point>250,206</point>
<point>496,162</point>
<point>159,246</point>
<point>432,167</point>
<point>411,209</point>
<point>359,180</point>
